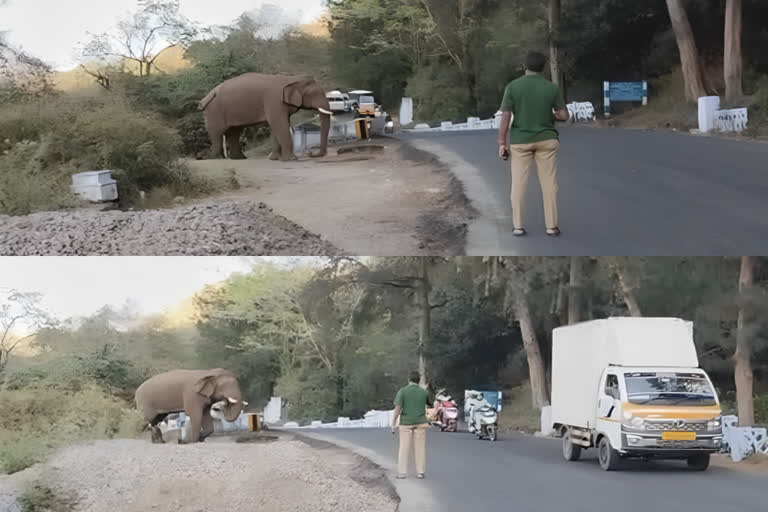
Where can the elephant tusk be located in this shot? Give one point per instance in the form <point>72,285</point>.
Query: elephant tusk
<point>232,400</point>
<point>326,112</point>
<point>245,404</point>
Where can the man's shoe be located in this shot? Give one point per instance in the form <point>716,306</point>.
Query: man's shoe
<point>519,232</point>
<point>401,476</point>
<point>553,232</point>
<point>420,475</point>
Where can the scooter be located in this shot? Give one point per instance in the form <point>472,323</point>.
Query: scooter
<point>489,423</point>
<point>447,413</point>
<point>482,417</point>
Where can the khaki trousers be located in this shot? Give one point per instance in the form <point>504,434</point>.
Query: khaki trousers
<point>413,436</point>
<point>521,155</point>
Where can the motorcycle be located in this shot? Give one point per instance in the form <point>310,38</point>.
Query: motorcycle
<point>447,413</point>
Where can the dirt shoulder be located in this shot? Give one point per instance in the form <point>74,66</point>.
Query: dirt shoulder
<point>220,474</point>
<point>755,464</point>
<point>397,201</point>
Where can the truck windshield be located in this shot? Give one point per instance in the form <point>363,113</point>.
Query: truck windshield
<point>366,99</point>
<point>669,389</point>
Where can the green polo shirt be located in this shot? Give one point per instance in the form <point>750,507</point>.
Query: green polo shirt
<point>531,99</point>
<point>413,399</point>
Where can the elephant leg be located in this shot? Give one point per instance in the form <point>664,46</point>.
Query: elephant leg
<point>207,424</point>
<point>281,130</point>
<point>193,428</point>
<point>234,148</point>
<point>157,434</point>
<point>275,154</point>
<point>217,143</point>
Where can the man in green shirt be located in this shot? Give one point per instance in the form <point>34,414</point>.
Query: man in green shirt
<point>536,103</point>
<point>411,409</point>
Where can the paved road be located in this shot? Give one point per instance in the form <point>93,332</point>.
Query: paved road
<point>527,474</point>
<point>622,192</point>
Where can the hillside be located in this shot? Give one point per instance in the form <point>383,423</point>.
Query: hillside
<point>170,61</point>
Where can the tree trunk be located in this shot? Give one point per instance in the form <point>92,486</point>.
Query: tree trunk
<point>574,291</point>
<point>689,53</point>
<point>536,367</point>
<point>742,358</point>
<point>732,55</point>
<point>628,293</point>
<point>426,319</point>
<point>554,42</point>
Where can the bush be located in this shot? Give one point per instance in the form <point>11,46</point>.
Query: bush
<point>77,133</point>
<point>37,421</point>
<point>39,497</point>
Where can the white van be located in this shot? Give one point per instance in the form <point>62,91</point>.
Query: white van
<point>632,388</point>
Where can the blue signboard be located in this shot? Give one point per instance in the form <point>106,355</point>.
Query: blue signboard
<point>624,91</point>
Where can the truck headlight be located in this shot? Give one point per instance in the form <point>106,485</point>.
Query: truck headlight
<point>714,424</point>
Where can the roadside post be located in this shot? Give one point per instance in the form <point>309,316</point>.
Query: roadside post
<point>624,92</point>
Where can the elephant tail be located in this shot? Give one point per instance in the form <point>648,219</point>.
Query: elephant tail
<point>208,99</point>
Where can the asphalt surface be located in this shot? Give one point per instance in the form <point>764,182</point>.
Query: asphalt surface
<point>621,192</point>
<point>520,473</point>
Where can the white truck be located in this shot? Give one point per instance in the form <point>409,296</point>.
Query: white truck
<point>632,388</point>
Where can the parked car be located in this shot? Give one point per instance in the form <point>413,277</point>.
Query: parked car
<point>340,102</point>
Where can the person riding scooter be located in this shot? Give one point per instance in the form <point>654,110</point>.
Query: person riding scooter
<point>476,402</point>
<point>447,412</point>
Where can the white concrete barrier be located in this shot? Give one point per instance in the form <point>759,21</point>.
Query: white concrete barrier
<point>733,120</point>
<point>741,442</point>
<point>708,105</point>
<point>406,112</point>
<point>581,111</point>
<point>372,419</point>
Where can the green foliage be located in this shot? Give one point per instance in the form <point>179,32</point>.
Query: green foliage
<point>36,421</point>
<point>46,141</point>
<point>38,497</point>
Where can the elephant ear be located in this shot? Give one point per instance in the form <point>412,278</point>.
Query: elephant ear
<point>293,93</point>
<point>206,385</point>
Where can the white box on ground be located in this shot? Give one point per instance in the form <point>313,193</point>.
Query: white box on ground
<point>95,186</point>
<point>707,107</point>
<point>581,352</point>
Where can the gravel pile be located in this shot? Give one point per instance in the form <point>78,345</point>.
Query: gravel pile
<point>133,476</point>
<point>231,228</point>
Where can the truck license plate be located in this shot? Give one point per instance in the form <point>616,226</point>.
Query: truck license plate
<point>678,436</point>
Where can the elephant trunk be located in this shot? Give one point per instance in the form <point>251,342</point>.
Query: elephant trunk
<point>325,128</point>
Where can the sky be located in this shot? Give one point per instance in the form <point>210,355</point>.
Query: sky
<point>52,29</point>
<point>79,286</point>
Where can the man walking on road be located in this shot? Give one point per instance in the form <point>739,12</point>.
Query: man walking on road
<point>411,408</point>
<point>536,103</point>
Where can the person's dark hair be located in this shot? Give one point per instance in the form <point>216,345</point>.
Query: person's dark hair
<point>415,377</point>
<point>535,61</point>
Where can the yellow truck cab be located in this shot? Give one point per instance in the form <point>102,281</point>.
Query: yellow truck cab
<point>631,388</point>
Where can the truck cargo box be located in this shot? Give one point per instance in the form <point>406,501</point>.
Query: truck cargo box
<point>582,352</point>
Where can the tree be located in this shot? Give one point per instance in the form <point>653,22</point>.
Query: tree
<point>742,358</point>
<point>21,318</point>
<point>689,53</point>
<point>144,36</point>
<point>554,42</point>
<point>732,54</point>
<point>575,290</point>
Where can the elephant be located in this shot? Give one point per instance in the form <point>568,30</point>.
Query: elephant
<point>204,395</point>
<point>251,99</point>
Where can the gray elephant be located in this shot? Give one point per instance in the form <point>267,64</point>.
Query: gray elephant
<point>252,99</point>
<point>204,395</point>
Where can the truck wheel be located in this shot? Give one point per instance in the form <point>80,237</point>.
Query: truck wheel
<point>699,462</point>
<point>608,457</point>
<point>571,451</point>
